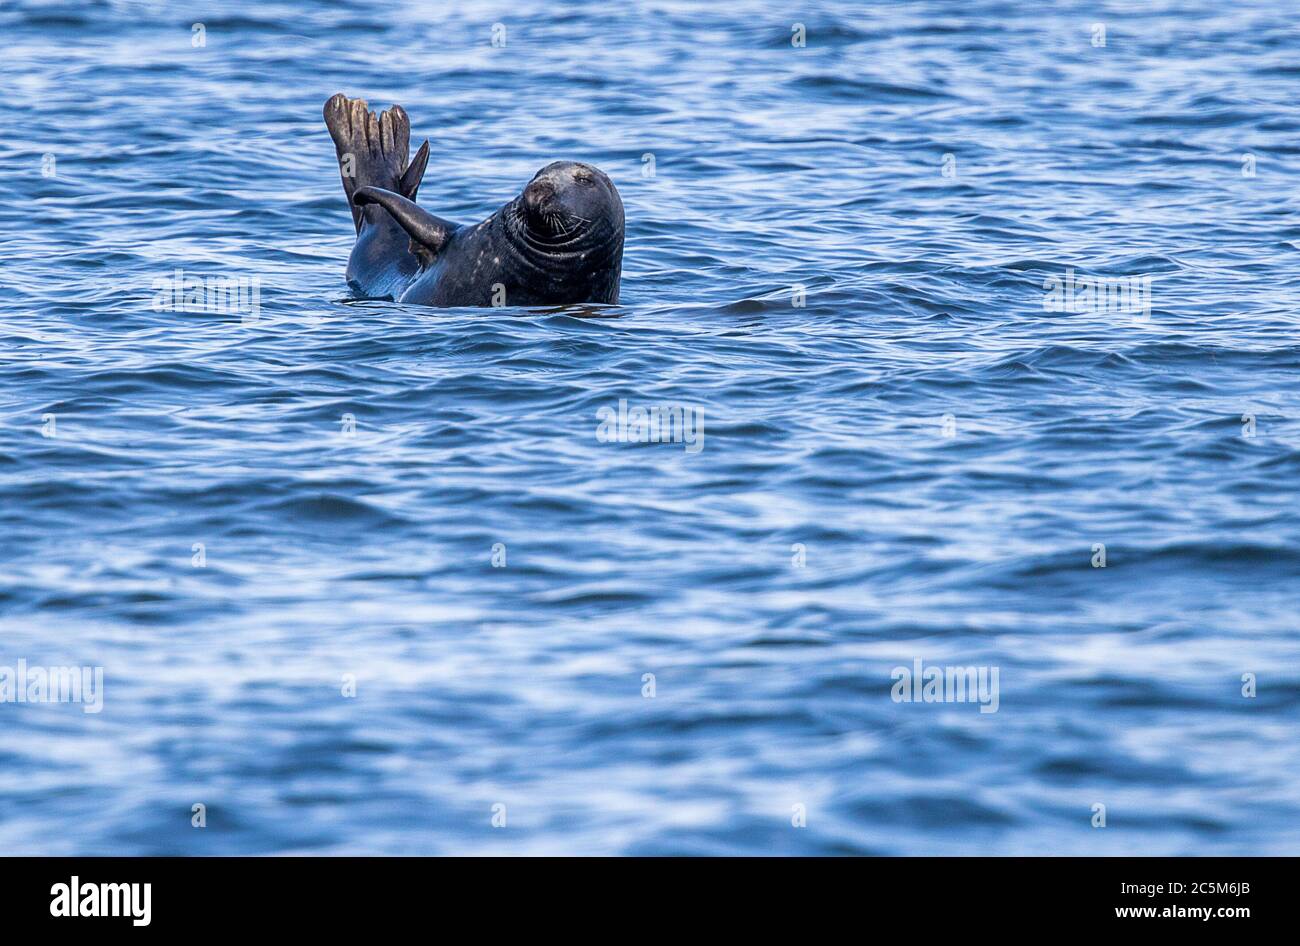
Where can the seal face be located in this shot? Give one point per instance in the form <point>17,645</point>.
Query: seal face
<point>570,206</point>
<point>559,242</point>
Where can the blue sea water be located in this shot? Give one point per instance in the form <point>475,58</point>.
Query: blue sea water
<point>240,517</point>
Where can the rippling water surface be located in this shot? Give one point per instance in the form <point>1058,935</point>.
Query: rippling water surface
<point>943,453</point>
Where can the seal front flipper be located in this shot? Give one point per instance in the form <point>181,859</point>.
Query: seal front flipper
<point>429,234</point>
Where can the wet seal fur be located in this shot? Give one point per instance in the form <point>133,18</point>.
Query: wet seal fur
<point>559,242</point>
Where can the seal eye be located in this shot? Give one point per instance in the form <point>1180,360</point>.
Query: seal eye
<point>584,177</point>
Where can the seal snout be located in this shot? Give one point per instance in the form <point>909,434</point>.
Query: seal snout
<point>538,193</point>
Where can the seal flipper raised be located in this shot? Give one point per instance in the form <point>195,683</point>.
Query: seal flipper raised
<point>372,149</point>
<point>372,152</point>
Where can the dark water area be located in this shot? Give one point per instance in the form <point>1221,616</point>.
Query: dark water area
<point>358,573</point>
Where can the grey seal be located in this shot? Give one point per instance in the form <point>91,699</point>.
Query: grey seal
<point>558,242</point>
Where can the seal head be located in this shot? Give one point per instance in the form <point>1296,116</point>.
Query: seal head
<point>570,204</point>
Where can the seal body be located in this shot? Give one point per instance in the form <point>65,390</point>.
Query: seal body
<point>559,242</point>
